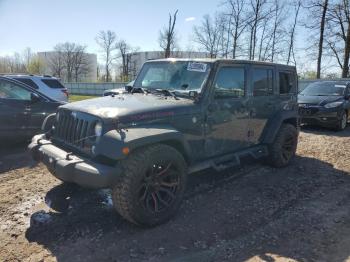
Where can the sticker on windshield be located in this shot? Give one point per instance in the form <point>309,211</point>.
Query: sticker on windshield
<point>197,67</point>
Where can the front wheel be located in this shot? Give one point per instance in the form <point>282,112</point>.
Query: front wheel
<point>283,149</point>
<point>152,186</point>
<point>342,121</point>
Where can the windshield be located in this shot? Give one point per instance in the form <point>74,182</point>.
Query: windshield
<point>324,89</point>
<point>170,75</point>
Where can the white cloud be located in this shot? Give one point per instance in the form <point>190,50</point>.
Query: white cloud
<point>189,19</point>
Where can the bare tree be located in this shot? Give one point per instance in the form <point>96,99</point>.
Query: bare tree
<point>167,36</point>
<point>238,22</point>
<point>316,23</point>
<point>297,6</point>
<point>107,42</point>
<point>324,7</point>
<point>125,52</point>
<point>208,35</point>
<point>80,62</point>
<point>27,56</point>
<point>36,66</point>
<point>277,23</point>
<point>258,13</point>
<point>338,34</point>
<point>69,61</point>
<point>56,61</point>
<point>345,71</point>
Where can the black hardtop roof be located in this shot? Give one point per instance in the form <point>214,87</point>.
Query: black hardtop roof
<point>220,60</point>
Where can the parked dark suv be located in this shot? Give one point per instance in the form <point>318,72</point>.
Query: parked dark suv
<point>179,117</point>
<point>22,110</point>
<point>326,104</point>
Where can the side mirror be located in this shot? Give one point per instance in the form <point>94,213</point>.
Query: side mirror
<point>34,98</point>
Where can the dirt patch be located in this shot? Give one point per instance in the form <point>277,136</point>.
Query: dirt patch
<point>257,213</point>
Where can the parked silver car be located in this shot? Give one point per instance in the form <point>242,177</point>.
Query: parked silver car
<point>47,85</point>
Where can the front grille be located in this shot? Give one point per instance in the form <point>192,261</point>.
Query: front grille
<point>75,129</point>
<point>308,111</point>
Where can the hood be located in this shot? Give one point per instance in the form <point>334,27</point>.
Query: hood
<point>318,100</point>
<point>126,105</point>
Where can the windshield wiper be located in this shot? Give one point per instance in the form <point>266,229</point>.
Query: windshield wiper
<point>167,92</point>
<point>135,89</point>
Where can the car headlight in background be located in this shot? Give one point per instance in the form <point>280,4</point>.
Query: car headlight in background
<point>333,104</point>
<point>98,129</point>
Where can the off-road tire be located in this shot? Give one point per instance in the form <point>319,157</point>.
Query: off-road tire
<point>341,125</point>
<point>286,138</point>
<point>126,196</point>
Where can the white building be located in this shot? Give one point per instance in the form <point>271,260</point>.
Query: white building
<point>137,59</point>
<point>90,66</point>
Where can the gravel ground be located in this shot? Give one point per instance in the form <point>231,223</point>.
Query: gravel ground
<point>256,213</point>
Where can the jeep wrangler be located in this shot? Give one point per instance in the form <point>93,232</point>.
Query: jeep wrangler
<point>180,116</point>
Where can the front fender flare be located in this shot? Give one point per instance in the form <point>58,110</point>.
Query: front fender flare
<point>112,143</point>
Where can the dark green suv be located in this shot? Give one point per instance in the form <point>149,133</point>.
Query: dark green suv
<point>179,117</point>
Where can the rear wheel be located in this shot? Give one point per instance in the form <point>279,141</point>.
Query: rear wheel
<point>283,149</point>
<point>152,186</point>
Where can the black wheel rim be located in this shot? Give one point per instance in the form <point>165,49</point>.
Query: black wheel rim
<point>159,187</point>
<point>344,121</point>
<point>288,147</point>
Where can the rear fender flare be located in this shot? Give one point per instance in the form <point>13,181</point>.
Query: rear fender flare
<point>274,124</point>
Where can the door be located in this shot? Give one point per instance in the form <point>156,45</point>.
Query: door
<point>39,110</point>
<point>264,101</point>
<point>14,110</point>
<point>227,113</point>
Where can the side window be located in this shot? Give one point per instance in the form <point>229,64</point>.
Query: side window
<point>28,82</point>
<point>9,90</point>
<point>262,82</point>
<point>286,82</point>
<point>230,82</point>
<point>52,83</point>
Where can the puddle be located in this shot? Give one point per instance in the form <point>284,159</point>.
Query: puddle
<point>22,215</point>
<point>106,196</point>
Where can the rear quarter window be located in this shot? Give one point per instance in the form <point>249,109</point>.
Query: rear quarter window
<point>27,81</point>
<point>287,82</point>
<point>53,83</point>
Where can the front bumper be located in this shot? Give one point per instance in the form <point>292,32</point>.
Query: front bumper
<point>327,117</point>
<point>71,168</point>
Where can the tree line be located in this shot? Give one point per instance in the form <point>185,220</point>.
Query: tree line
<point>264,30</point>
<point>267,30</point>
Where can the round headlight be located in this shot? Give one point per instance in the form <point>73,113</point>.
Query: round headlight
<point>98,129</point>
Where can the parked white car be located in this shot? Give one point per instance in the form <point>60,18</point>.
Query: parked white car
<point>47,85</point>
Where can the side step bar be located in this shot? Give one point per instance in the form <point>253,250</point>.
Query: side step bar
<point>230,160</point>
